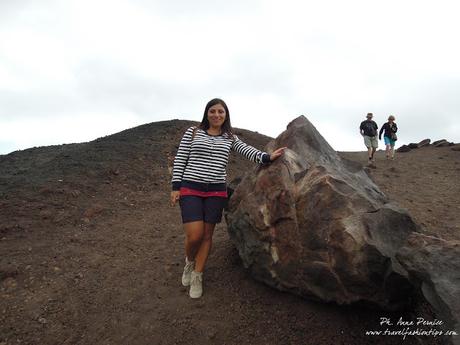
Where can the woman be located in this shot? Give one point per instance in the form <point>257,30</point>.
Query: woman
<point>199,184</point>
<point>389,136</point>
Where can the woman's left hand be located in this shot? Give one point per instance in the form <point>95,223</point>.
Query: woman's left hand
<point>278,152</point>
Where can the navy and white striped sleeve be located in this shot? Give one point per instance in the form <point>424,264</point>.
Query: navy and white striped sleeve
<point>250,152</point>
<point>180,160</point>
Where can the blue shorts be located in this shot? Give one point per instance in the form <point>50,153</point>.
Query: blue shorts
<point>389,141</point>
<point>208,209</point>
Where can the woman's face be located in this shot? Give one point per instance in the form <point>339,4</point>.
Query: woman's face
<point>216,115</point>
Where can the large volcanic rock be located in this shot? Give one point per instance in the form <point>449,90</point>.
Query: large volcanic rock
<point>434,266</point>
<point>316,225</point>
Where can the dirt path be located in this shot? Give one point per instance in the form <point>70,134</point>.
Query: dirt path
<point>117,281</point>
<point>426,182</point>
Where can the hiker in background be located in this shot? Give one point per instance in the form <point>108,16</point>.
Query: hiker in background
<point>199,184</point>
<point>389,130</point>
<point>368,130</point>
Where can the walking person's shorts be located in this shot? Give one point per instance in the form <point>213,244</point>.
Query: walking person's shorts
<point>209,208</point>
<point>371,142</point>
<point>389,141</point>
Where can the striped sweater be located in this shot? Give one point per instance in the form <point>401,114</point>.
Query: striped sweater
<point>205,158</point>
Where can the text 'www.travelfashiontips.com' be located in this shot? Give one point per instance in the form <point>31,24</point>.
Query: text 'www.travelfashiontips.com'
<point>417,327</point>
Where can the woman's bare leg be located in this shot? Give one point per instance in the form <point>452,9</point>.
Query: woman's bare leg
<point>194,232</point>
<point>205,247</point>
<point>388,149</point>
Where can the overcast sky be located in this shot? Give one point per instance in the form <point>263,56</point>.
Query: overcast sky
<point>73,71</point>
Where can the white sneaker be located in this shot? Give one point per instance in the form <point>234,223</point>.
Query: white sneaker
<point>196,284</point>
<point>188,268</point>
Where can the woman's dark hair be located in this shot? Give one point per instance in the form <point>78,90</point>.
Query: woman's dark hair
<point>226,126</point>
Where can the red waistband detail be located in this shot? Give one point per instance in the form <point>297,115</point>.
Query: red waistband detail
<point>190,191</point>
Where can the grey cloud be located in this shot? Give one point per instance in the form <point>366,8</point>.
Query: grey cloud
<point>114,86</point>
<point>37,104</point>
<point>423,108</point>
<point>199,7</point>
